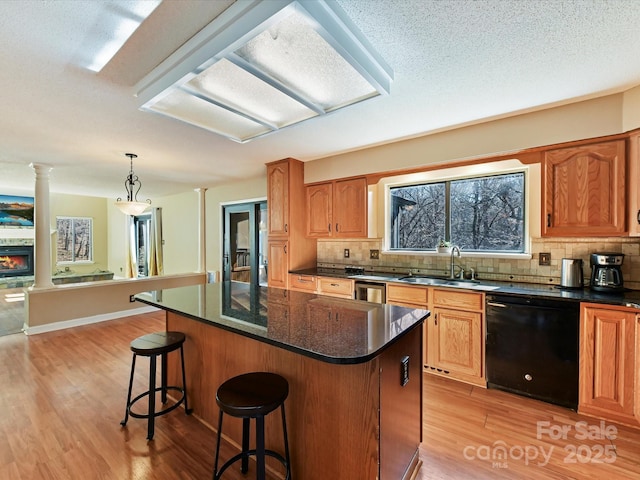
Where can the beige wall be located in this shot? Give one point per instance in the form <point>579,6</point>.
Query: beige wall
<point>62,205</point>
<point>180,232</point>
<point>631,109</point>
<point>592,118</point>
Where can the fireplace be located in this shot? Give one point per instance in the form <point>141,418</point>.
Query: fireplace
<point>16,261</point>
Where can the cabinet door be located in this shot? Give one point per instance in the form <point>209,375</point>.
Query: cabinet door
<point>456,343</point>
<point>319,210</point>
<point>584,190</point>
<point>278,266</point>
<point>350,208</point>
<point>278,198</point>
<point>607,362</point>
<point>633,208</point>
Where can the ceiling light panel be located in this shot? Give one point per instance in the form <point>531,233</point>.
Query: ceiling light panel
<point>293,53</point>
<point>229,84</point>
<point>262,66</point>
<point>191,109</point>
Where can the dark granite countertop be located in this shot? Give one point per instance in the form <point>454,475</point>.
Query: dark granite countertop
<point>329,329</point>
<point>630,298</point>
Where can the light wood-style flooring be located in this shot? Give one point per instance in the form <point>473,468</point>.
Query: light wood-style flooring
<point>62,398</point>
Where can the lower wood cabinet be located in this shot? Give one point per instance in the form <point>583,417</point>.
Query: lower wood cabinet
<point>336,287</point>
<point>303,283</point>
<point>454,334</point>
<point>278,268</point>
<point>455,338</point>
<point>609,358</point>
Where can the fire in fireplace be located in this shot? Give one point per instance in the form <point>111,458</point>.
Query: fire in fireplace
<point>16,261</point>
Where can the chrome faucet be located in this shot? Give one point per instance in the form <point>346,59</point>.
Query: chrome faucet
<point>452,272</point>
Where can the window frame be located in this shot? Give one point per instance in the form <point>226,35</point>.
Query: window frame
<point>453,174</point>
<point>75,262</point>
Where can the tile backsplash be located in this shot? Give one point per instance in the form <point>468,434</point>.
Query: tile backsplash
<point>331,254</point>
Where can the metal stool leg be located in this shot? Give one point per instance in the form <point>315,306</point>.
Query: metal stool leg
<point>244,468</point>
<point>163,378</point>
<point>260,472</point>
<point>152,397</point>
<point>187,410</point>
<point>126,412</point>
<point>215,463</point>
<point>286,444</point>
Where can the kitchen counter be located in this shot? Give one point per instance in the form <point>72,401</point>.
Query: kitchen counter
<point>629,298</point>
<point>354,410</point>
<point>257,314</point>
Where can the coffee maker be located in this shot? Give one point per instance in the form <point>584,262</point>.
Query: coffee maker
<point>606,272</point>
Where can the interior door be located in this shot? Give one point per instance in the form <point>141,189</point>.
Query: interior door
<point>245,239</point>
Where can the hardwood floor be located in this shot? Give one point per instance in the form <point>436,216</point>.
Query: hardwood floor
<point>63,395</point>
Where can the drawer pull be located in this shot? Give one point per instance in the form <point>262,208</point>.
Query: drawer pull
<point>335,284</point>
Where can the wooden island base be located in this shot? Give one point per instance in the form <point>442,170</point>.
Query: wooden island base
<point>345,421</point>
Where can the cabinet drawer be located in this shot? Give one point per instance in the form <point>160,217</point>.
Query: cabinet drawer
<point>336,286</point>
<point>404,294</point>
<point>306,283</point>
<point>458,300</point>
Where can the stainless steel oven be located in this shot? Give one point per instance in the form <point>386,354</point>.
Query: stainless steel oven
<point>371,292</point>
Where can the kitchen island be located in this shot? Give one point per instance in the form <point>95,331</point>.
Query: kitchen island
<point>354,411</point>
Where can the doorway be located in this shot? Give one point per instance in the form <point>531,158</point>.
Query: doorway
<point>142,229</point>
<point>245,243</point>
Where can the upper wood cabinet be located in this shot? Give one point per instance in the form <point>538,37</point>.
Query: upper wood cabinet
<point>278,198</point>
<point>634,185</point>
<point>289,248</point>
<point>337,209</point>
<point>609,344</point>
<point>583,190</point>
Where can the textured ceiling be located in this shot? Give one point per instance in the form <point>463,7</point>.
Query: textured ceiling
<point>455,62</point>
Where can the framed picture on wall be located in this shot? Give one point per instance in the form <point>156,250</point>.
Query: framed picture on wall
<point>16,211</point>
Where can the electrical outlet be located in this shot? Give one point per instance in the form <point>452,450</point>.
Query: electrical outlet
<point>404,371</point>
<point>544,258</point>
<point>346,253</point>
<point>374,254</point>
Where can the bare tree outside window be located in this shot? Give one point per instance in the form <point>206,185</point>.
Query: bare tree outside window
<point>484,214</point>
<point>75,239</point>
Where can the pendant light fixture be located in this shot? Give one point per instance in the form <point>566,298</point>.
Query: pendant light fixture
<point>132,184</point>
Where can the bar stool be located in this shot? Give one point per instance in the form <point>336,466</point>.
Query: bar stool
<point>152,345</point>
<point>247,396</point>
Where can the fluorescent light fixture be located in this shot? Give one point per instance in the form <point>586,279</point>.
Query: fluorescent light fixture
<point>265,65</point>
<point>117,22</point>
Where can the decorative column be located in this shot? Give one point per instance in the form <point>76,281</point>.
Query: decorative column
<point>42,244</point>
<point>202,236</point>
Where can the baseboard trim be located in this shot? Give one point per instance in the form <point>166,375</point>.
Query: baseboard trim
<point>78,322</point>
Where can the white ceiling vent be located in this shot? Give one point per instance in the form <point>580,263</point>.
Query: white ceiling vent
<point>262,66</point>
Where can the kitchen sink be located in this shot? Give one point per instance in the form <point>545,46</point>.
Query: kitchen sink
<point>424,280</point>
<point>447,282</point>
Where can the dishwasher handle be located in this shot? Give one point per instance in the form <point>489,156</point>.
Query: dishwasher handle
<point>494,304</point>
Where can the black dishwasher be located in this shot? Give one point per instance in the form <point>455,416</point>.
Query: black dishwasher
<point>532,347</point>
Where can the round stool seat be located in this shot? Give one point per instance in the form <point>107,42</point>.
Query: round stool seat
<point>157,343</point>
<point>252,394</point>
<point>154,345</point>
